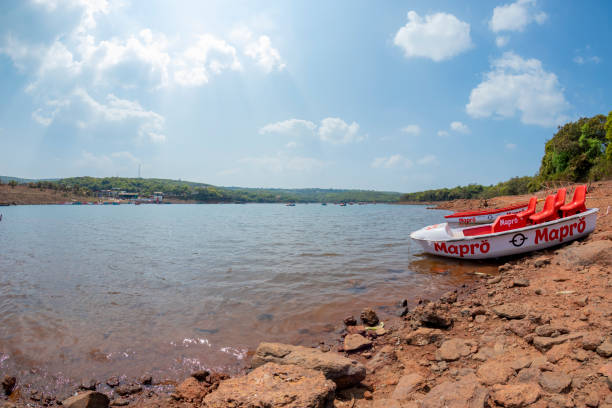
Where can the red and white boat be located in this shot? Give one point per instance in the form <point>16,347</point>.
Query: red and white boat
<point>512,234</point>
<point>484,216</point>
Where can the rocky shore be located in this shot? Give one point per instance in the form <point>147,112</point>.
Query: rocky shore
<point>536,334</point>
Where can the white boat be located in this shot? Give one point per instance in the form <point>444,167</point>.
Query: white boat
<point>512,233</point>
<point>483,216</point>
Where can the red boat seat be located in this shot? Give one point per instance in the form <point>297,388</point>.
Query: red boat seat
<point>481,230</point>
<point>560,199</point>
<point>578,202</point>
<point>508,222</point>
<point>533,201</point>
<point>548,213</point>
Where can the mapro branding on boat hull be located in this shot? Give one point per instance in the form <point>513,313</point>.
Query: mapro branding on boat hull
<point>515,241</point>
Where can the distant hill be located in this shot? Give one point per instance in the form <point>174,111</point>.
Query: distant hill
<point>19,180</point>
<point>202,192</point>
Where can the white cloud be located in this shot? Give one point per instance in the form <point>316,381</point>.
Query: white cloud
<point>46,115</point>
<point>396,160</point>
<point>412,129</point>
<point>459,127</point>
<point>291,145</point>
<point>289,126</point>
<point>428,159</point>
<point>209,55</point>
<point>502,40</point>
<point>519,86</point>
<point>259,49</point>
<point>582,60</point>
<point>515,16</point>
<point>337,131</point>
<point>331,130</point>
<point>282,163</point>
<point>443,133</point>
<point>265,55</point>
<point>150,124</point>
<point>510,146</point>
<point>438,36</point>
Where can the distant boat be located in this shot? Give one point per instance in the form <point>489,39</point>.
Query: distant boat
<point>290,204</point>
<point>323,203</point>
<point>342,204</point>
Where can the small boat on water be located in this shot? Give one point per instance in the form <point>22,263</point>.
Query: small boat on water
<point>484,216</point>
<point>290,204</point>
<point>513,233</point>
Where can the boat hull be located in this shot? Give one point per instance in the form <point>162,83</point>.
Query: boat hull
<point>512,242</point>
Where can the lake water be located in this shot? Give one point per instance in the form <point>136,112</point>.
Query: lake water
<point>94,291</point>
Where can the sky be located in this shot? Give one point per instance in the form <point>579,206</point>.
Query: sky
<point>396,96</point>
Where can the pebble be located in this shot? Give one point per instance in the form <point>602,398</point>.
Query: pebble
<point>369,317</point>
<point>8,384</point>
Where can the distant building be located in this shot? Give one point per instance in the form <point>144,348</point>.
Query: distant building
<point>158,196</point>
<point>127,196</point>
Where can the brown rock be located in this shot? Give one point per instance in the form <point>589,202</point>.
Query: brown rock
<point>606,371</point>
<point>191,390</point>
<point>599,252</point>
<point>528,375</point>
<point>494,372</point>
<point>354,342</point>
<point>591,341</point>
<point>516,395</point>
<point>520,327</point>
<point>385,356</point>
<point>388,403</point>
<point>369,317</point>
<point>431,315</point>
<point>449,297</point>
<point>343,371</point>
<point>356,329</point>
<point>551,330</point>
<point>112,382</point>
<point>556,382</point>
<point>510,311</point>
<point>422,336</point>
<point>8,384</point>
<point>520,282</point>
<point>119,402</point>
<point>581,301</point>
<point>128,389</point>
<point>89,399</point>
<point>350,321</point>
<point>454,349</point>
<point>605,348</point>
<point>521,362</point>
<point>406,386</point>
<point>541,261</point>
<point>465,393</point>
<point>200,375</point>
<point>146,379</point>
<point>559,352</point>
<point>274,385</point>
<point>544,343</point>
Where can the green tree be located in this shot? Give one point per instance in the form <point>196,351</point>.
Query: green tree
<point>12,183</point>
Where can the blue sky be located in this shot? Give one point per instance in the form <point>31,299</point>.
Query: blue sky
<point>399,96</point>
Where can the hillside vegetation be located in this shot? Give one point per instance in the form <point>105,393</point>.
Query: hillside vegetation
<point>200,192</point>
<point>580,151</point>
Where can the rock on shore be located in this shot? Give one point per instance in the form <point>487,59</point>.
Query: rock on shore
<point>343,371</point>
<point>274,385</point>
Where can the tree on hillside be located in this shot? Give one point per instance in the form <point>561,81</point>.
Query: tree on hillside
<point>12,183</point>
<point>576,151</point>
<point>608,128</point>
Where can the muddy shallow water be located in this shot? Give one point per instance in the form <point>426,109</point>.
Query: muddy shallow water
<point>95,291</point>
